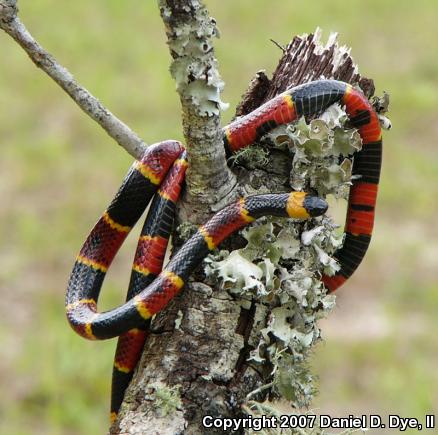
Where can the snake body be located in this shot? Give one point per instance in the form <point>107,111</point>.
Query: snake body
<point>160,174</point>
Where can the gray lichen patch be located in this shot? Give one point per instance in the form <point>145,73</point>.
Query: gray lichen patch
<point>194,65</point>
<point>320,152</point>
<point>280,267</point>
<point>252,157</point>
<point>166,399</point>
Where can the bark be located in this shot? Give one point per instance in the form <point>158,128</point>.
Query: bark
<point>197,355</point>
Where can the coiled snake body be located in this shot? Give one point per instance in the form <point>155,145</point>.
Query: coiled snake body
<point>159,176</point>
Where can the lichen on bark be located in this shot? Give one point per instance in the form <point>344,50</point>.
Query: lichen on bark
<point>281,264</point>
<point>190,34</point>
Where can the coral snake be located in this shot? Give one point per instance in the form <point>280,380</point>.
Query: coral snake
<point>159,176</point>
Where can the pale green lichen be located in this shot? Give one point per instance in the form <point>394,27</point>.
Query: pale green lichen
<point>280,270</point>
<point>283,260</point>
<point>252,157</point>
<point>194,67</point>
<point>166,399</point>
<point>274,258</point>
<point>179,319</point>
<point>320,151</point>
<point>186,230</point>
<point>381,105</point>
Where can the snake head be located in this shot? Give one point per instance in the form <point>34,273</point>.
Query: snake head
<point>314,205</point>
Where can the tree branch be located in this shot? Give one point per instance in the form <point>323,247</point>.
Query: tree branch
<point>190,32</point>
<point>115,128</point>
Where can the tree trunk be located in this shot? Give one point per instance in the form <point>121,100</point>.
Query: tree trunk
<point>195,363</point>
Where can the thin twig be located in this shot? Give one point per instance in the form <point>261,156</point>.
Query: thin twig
<point>118,130</point>
<point>281,47</point>
<point>259,390</point>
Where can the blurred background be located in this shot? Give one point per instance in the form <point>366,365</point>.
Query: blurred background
<point>59,170</point>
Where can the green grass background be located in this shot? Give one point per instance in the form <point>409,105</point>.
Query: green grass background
<point>59,170</point>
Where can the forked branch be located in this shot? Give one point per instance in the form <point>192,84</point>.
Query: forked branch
<point>190,33</point>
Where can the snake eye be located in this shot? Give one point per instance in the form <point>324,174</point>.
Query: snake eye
<point>314,205</point>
